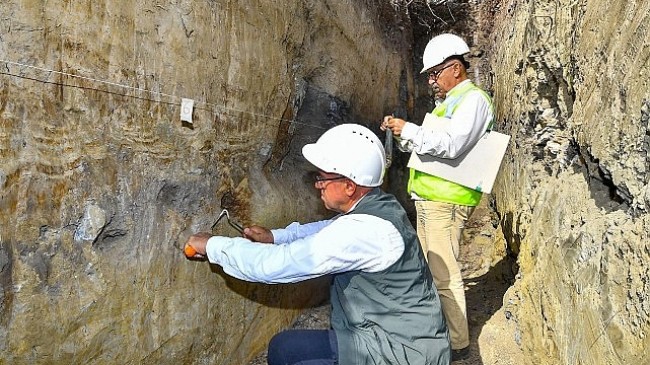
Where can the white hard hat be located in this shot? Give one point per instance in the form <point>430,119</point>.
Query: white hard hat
<point>442,47</point>
<point>350,150</point>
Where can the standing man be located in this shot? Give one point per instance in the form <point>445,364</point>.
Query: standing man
<point>443,206</point>
<point>385,309</point>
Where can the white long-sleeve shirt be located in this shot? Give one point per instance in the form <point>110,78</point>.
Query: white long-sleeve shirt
<point>305,251</point>
<point>455,135</point>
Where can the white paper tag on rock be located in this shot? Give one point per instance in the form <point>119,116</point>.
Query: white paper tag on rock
<point>187,106</point>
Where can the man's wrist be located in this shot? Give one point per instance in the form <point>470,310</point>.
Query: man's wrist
<point>409,131</point>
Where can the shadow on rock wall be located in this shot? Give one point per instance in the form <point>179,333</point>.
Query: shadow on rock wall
<point>282,296</point>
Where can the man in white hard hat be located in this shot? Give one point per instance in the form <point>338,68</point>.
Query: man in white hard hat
<point>385,309</point>
<point>443,206</point>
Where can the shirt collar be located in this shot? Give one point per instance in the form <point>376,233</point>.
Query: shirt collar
<point>459,86</point>
<point>371,192</point>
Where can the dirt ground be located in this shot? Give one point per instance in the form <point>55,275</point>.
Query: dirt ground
<point>488,273</point>
<point>493,336</point>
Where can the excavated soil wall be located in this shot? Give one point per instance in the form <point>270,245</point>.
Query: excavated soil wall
<point>102,181</point>
<point>571,80</point>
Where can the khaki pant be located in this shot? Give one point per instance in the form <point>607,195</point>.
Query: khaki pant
<point>440,227</point>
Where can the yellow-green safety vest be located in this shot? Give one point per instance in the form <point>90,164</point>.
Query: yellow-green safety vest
<point>437,189</point>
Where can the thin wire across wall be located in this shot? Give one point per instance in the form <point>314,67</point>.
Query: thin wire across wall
<point>209,107</point>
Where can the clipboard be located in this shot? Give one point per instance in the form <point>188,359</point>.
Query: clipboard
<point>476,168</point>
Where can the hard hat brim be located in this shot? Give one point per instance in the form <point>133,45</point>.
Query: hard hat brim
<point>314,156</point>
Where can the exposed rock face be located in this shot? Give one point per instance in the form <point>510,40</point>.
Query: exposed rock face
<point>571,81</point>
<point>102,182</point>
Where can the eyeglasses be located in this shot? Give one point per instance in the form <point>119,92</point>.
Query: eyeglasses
<point>320,178</point>
<point>433,75</point>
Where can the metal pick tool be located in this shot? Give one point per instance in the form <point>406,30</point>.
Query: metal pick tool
<point>235,225</point>
<point>388,147</point>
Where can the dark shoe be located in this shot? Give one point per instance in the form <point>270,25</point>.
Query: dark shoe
<point>460,354</point>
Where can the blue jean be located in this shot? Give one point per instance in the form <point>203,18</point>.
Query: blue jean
<point>303,347</point>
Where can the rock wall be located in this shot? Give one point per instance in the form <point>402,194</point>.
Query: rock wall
<point>571,83</point>
<point>102,182</point>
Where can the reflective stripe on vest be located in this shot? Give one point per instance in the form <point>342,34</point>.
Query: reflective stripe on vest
<point>437,189</point>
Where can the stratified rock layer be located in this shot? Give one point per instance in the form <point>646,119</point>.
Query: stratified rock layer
<point>102,182</point>
<point>571,81</point>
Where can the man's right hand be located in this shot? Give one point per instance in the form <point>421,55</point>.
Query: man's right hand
<point>394,124</point>
<point>258,234</point>
<point>195,245</point>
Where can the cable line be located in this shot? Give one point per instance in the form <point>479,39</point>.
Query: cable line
<point>214,107</point>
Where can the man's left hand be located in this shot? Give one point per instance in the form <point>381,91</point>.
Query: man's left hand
<point>259,234</point>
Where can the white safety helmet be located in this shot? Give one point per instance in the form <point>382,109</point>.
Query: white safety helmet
<point>350,150</point>
<point>442,47</point>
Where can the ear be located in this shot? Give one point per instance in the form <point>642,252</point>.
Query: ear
<point>350,187</point>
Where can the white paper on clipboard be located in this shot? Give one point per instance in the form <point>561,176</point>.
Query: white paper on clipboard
<point>476,168</point>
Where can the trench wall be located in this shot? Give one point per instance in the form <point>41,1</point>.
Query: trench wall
<point>571,82</point>
<point>102,182</point>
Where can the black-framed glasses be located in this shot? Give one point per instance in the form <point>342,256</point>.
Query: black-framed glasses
<point>320,178</point>
<point>433,75</point>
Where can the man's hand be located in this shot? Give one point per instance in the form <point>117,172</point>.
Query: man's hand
<point>195,245</point>
<point>394,124</point>
<point>258,234</point>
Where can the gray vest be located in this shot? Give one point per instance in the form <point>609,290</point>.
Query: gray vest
<point>392,316</point>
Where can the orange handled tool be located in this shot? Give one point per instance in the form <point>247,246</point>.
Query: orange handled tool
<point>189,251</point>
